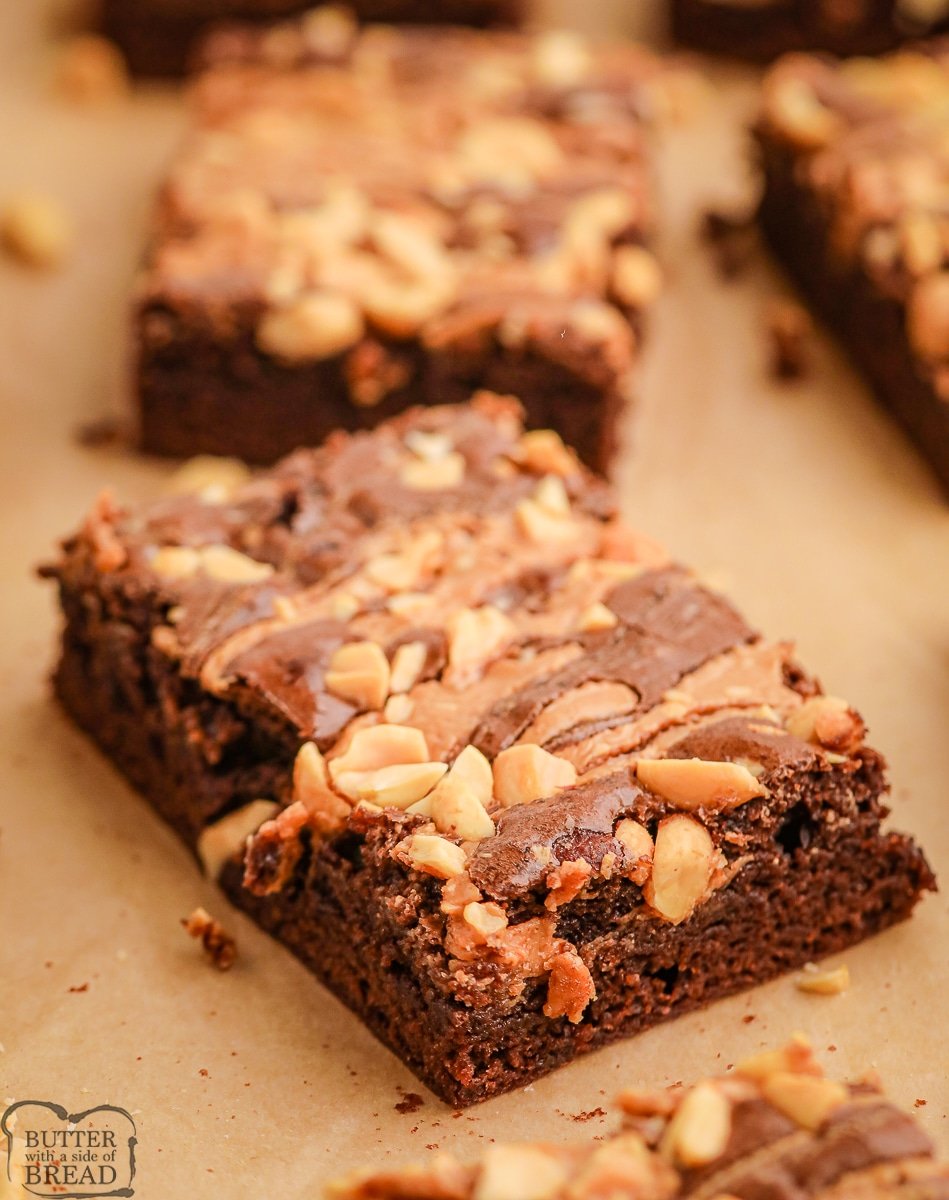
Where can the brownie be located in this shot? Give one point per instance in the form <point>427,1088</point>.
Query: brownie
<point>774,1127</point>
<point>856,208</point>
<point>158,37</point>
<point>763,29</point>
<point>506,778</point>
<point>360,221</point>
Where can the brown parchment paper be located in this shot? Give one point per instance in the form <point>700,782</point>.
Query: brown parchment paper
<point>802,500</point>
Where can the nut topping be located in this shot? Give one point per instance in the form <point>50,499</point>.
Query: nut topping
<point>804,1098</point>
<point>218,843</point>
<point>796,1057</point>
<point>457,810</point>
<point>827,721</point>
<point>36,230</point>
<point>311,788</point>
<point>527,772</point>
<point>176,562</point>
<point>638,845</point>
<point>597,618</point>
<point>681,868</point>
<point>824,983</point>
<point>359,672</point>
<point>698,1133</point>
<point>379,746</point>
<point>693,783</point>
<point>476,636</point>
<point>316,326</point>
<point>408,663</point>
<point>637,279</point>
<point>394,787</point>
<point>543,452</point>
<point>485,919</point>
<point>471,767</point>
<point>227,565</point>
<point>520,1173</point>
<point>429,475</point>
<point>434,855</point>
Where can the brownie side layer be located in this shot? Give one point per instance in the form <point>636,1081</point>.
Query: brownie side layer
<point>870,324</point>
<point>339,918</point>
<point>201,395</point>
<point>763,32</point>
<point>157,37</point>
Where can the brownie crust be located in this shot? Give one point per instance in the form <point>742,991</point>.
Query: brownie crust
<point>510,782</point>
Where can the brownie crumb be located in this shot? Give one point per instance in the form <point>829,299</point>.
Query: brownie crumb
<point>81,987</point>
<point>218,944</point>
<point>732,238</point>
<point>748,1018</point>
<point>789,330</point>
<point>918,1103</point>
<point>105,431</point>
<point>411,1102</point>
<point>582,1117</point>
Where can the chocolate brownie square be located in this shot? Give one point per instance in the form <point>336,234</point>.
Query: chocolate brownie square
<point>507,779</point>
<point>856,208</point>
<point>363,220</point>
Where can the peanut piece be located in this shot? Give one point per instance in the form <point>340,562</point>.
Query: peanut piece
<point>698,1133</point>
<point>475,637</point>
<point>637,279</point>
<point>359,672</point>
<point>176,562</point>
<point>218,843</point>
<point>803,1098</point>
<point>681,868</point>
<point>36,230</point>
<point>471,767</point>
<point>543,452</point>
<point>485,919</point>
<point>824,983</point>
<point>692,783</point>
<point>827,721</point>
<point>408,663</point>
<point>457,811</point>
<point>227,565</point>
<point>638,845</point>
<point>596,618</point>
<point>316,326</point>
<point>796,1057</point>
<point>311,788</point>
<point>430,475</point>
<point>380,746</point>
<point>519,1173</point>
<point>208,477</point>
<point>434,855</point>
<point>397,786</point>
<point>527,772</point>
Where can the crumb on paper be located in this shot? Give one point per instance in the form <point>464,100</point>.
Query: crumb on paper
<point>411,1102</point>
<point>35,229</point>
<point>732,237</point>
<point>919,1103</point>
<point>823,983</point>
<point>789,331</point>
<point>582,1117</point>
<point>79,987</point>
<point>104,431</point>
<point>218,944</point>
<point>91,69</point>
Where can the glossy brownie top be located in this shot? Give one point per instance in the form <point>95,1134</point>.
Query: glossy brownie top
<point>521,700</point>
<point>341,187</point>
<point>872,142</point>
<point>774,1127</point>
